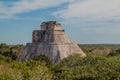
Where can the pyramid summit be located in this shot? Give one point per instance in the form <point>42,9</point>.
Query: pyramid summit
<point>51,41</point>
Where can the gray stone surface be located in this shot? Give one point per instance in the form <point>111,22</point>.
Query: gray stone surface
<point>51,41</point>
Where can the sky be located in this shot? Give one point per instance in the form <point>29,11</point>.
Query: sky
<point>84,21</point>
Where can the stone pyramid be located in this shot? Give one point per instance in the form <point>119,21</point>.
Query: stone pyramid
<point>51,41</point>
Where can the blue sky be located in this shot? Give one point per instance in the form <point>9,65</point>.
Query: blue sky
<point>85,21</point>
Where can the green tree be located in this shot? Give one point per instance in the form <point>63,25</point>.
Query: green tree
<point>114,53</point>
<point>43,58</point>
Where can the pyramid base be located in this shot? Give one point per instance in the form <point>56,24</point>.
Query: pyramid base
<point>53,51</point>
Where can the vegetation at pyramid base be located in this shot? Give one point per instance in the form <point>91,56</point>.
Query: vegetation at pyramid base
<point>10,50</point>
<point>30,70</point>
<point>43,58</point>
<point>92,67</point>
<point>114,53</point>
<point>89,68</point>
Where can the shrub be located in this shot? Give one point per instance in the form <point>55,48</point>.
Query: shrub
<point>42,58</point>
<point>114,53</point>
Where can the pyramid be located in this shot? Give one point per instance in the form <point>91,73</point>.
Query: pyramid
<point>51,41</point>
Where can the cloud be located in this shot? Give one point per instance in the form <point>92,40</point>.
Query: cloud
<point>81,13</point>
<point>9,10</point>
<point>91,9</point>
<point>93,16</point>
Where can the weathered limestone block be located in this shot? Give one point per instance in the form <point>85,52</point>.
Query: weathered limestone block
<point>51,41</point>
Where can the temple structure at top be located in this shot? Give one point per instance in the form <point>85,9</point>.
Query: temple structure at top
<point>50,32</point>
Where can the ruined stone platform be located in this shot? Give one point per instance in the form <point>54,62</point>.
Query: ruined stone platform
<point>51,41</point>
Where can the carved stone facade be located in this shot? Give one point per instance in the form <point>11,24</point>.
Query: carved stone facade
<point>51,41</point>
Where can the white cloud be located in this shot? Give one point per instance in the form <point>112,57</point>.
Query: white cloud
<point>8,10</point>
<point>91,9</point>
<point>97,16</point>
<point>78,12</point>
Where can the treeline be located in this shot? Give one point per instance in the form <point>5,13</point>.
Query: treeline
<point>11,51</point>
<point>102,49</point>
<point>92,67</point>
